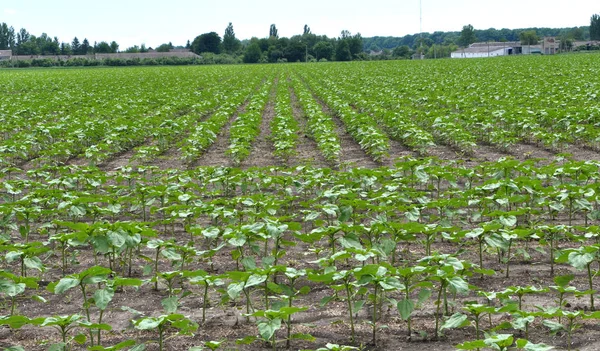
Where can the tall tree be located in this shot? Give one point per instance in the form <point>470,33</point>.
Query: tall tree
<point>306,29</point>
<point>230,43</point>
<point>342,51</point>
<point>114,47</point>
<point>207,42</point>
<point>76,47</point>
<point>355,44</point>
<point>85,47</point>
<point>7,37</point>
<point>529,37</point>
<point>467,36</point>
<point>273,32</point>
<point>252,54</point>
<point>595,27</point>
<point>323,50</point>
<point>102,48</point>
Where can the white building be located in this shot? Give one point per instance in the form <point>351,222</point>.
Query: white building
<point>491,49</point>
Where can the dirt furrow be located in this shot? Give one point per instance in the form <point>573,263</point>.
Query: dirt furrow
<point>307,150</point>
<point>216,155</point>
<point>582,153</point>
<point>262,148</point>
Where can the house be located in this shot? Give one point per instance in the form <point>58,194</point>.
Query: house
<point>5,54</point>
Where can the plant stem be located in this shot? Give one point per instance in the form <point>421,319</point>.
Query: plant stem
<point>349,299</point>
<point>589,269</point>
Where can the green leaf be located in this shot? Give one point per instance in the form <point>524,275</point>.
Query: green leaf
<point>65,284</point>
<point>34,263</point>
<point>266,329</point>
<point>580,260</point>
<point>457,320</point>
<point>14,348</point>
<point>472,345</point>
<point>458,284</point>
<point>234,290</point>
<point>405,308</point>
<point>345,213</point>
<point>61,346</point>
<point>554,327</point>
<point>170,304</point>
<point>102,297</point>
<point>14,322</point>
<point>529,346</point>
<point>116,347</point>
<point>80,338</point>
<point>255,279</point>
<point>508,221</point>
<point>148,323</point>
<point>563,280</point>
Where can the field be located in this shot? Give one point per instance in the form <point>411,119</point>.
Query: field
<point>370,206</point>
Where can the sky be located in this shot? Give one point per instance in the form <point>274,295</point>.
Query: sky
<point>154,22</point>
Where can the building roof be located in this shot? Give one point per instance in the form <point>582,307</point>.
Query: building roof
<point>144,55</point>
<point>479,50</point>
<point>495,44</point>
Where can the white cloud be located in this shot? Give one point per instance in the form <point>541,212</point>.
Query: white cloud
<point>10,12</point>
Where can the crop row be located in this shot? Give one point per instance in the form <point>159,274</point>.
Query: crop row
<point>284,127</point>
<point>246,127</point>
<point>354,228</point>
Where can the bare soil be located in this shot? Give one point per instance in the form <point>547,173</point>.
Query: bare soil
<point>262,150</point>
<point>307,151</point>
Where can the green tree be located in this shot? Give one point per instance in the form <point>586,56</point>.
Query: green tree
<point>252,54</point>
<point>306,30</point>
<point>402,51</point>
<point>207,42</point>
<point>595,27</point>
<point>65,49</point>
<point>467,36</point>
<point>529,37</point>
<point>342,51</point>
<point>230,43</point>
<point>7,37</point>
<point>114,47</point>
<point>102,48</point>
<point>323,50</point>
<point>76,46</point>
<point>85,47</point>
<point>355,45</point>
<point>165,47</point>
<point>273,32</point>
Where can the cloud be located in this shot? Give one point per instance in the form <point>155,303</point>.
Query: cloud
<point>10,12</point>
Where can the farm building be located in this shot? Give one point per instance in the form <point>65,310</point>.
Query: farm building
<point>5,54</point>
<point>548,46</point>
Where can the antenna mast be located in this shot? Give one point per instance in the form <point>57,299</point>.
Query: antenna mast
<point>421,22</point>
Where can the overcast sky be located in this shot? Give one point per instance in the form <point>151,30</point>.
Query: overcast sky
<point>153,22</point>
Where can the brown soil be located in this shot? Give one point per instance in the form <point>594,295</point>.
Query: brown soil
<point>307,151</point>
<point>582,153</point>
<point>262,151</point>
<point>216,153</point>
<point>398,151</point>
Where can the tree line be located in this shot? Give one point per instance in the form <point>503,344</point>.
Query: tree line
<point>302,47</point>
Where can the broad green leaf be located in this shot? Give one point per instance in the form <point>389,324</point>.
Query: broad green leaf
<point>267,328</point>
<point>457,320</point>
<point>170,304</point>
<point>65,284</point>
<point>102,297</point>
<point>405,308</point>
<point>255,279</point>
